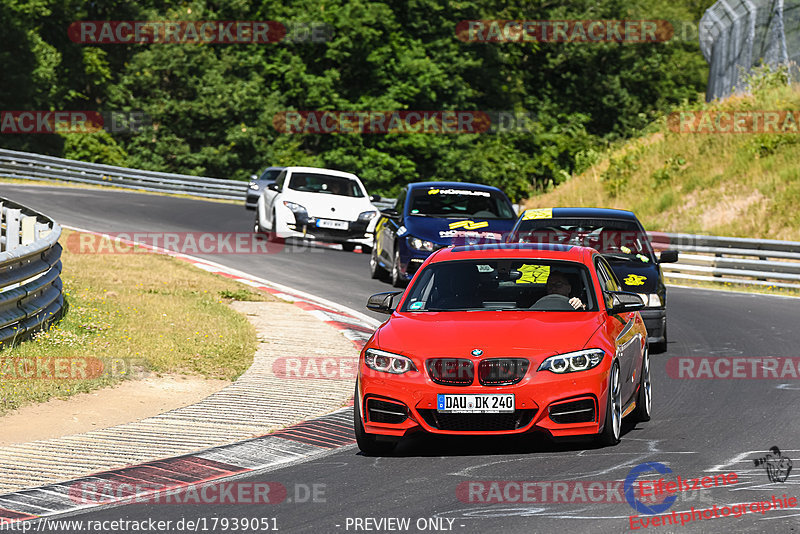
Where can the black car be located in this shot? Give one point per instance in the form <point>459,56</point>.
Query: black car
<point>620,237</point>
<point>257,185</point>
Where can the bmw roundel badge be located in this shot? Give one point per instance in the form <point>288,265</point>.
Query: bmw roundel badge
<point>477,352</point>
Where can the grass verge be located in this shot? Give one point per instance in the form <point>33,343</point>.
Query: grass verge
<point>130,315</point>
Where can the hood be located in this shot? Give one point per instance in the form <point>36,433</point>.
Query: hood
<point>533,335</point>
<point>636,276</point>
<point>447,231</point>
<point>322,205</point>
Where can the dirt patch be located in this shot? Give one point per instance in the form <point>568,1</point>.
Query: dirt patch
<point>729,209</point>
<point>129,401</point>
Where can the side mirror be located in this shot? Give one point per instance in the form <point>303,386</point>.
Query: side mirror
<point>624,302</point>
<point>374,198</point>
<point>382,302</point>
<point>668,256</point>
<point>274,187</point>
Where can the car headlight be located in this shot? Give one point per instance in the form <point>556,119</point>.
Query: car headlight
<point>420,244</point>
<point>294,207</point>
<point>386,362</point>
<point>254,187</point>
<point>573,362</point>
<point>651,300</point>
<point>367,215</point>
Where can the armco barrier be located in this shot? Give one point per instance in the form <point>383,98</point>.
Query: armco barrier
<point>31,293</point>
<point>28,166</point>
<point>733,260</point>
<point>758,262</point>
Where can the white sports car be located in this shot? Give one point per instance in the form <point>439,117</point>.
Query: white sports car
<point>323,204</point>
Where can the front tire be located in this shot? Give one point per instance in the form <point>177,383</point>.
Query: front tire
<point>612,428</point>
<point>661,346</point>
<point>376,272</point>
<point>273,234</point>
<point>368,443</point>
<point>397,278</point>
<point>644,400</point>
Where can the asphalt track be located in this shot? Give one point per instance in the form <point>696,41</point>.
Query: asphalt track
<point>699,427</point>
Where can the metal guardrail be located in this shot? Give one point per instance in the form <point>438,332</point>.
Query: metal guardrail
<point>31,292</point>
<point>733,260</point>
<point>758,262</point>
<point>28,166</point>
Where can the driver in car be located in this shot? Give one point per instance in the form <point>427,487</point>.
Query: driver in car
<point>558,284</point>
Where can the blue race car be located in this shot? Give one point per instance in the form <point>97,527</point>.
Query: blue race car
<point>430,215</point>
<point>620,238</point>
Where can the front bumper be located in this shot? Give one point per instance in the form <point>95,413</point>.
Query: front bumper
<point>251,200</point>
<point>331,236</point>
<point>300,226</point>
<point>655,320</point>
<point>538,398</point>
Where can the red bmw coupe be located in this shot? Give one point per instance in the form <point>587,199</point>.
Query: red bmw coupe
<point>504,339</point>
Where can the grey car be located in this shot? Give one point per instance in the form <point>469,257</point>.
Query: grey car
<point>258,184</point>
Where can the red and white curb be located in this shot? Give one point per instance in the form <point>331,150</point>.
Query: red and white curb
<point>169,476</point>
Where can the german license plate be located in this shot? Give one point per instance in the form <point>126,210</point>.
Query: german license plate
<point>484,403</point>
<point>336,225</point>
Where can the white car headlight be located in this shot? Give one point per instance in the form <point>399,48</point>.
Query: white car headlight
<point>367,215</point>
<point>420,244</point>
<point>386,362</point>
<point>293,206</point>
<point>572,362</point>
<point>651,300</point>
<point>254,187</point>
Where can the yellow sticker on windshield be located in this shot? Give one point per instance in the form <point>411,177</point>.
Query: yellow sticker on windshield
<point>634,280</point>
<point>468,225</point>
<point>534,274</point>
<point>540,213</point>
<point>433,191</point>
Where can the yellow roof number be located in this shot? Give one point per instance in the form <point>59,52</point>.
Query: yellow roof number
<point>540,213</point>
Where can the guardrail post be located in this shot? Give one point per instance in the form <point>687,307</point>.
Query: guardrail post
<point>717,255</point>
<point>28,229</point>
<point>12,228</point>
<point>762,258</point>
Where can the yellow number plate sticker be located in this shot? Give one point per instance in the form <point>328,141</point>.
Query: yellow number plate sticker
<point>634,280</point>
<point>534,274</point>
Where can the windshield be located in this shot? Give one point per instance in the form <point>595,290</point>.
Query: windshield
<point>617,239</point>
<point>454,202</point>
<point>325,183</point>
<point>270,174</point>
<point>502,284</point>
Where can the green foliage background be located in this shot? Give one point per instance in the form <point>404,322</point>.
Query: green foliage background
<point>212,105</point>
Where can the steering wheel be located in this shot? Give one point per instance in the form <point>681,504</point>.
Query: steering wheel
<point>553,302</point>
